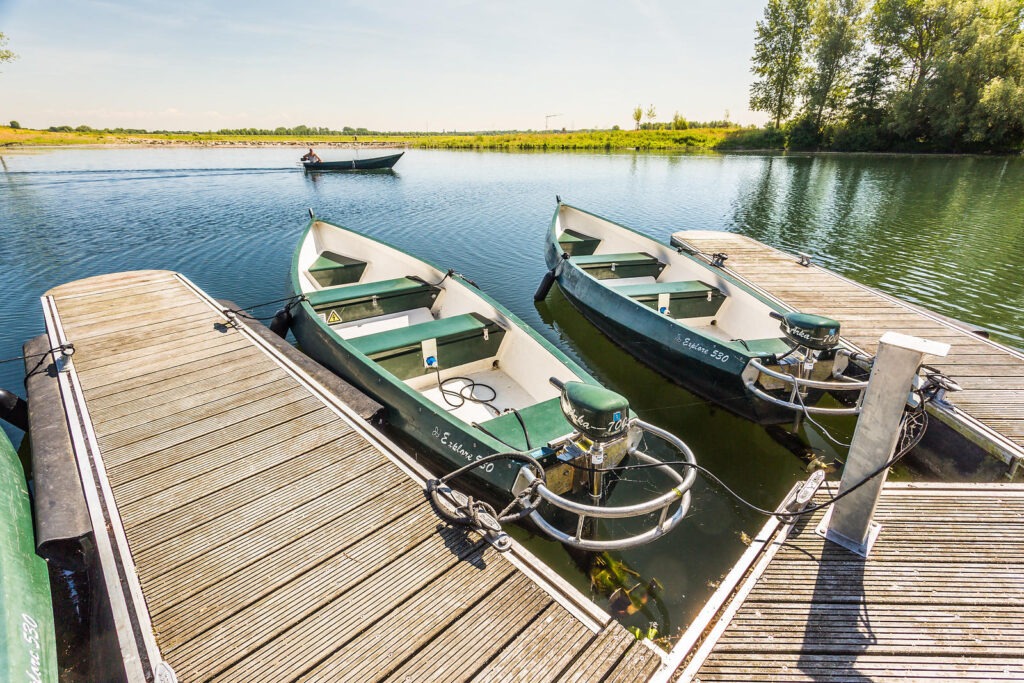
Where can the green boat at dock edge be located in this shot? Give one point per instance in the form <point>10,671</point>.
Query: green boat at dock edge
<point>27,641</point>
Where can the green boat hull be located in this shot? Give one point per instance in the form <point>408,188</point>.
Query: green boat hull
<point>27,641</point>
<point>697,362</point>
<point>450,440</point>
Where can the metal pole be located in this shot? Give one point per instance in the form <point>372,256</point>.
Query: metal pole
<point>874,440</point>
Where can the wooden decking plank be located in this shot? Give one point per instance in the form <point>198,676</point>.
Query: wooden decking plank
<point>293,644</point>
<point>114,353</point>
<point>114,390</point>
<point>166,585</point>
<point>107,325</point>
<point>192,540</point>
<point>359,541</point>
<point>131,305</point>
<point>183,328</point>
<point>70,301</point>
<point>554,632</point>
<point>145,477</point>
<point>111,282</point>
<point>146,420</point>
<point>194,510</point>
<point>166,360</point>
<point>636,666</point>
<point>153,325</point>
<point>233,480</point>
<point>442,602</point>
<point>480,634</point>
<point>599,656</point>
<point>170,399</point>
<point>145,445</point>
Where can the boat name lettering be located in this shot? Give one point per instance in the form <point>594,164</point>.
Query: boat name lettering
<point>456,447</point>
<point>30,634</point>
<point>695,345</point>
<point>613,426</point>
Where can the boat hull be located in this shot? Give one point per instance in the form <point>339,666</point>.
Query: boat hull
<point>372,164</point>
<point>696,362</point>
<point>27,644</point>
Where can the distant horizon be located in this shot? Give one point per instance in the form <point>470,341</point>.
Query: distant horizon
<point>390,67</point>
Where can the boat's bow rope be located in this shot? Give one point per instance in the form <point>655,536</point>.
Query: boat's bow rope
<point>465,510</point>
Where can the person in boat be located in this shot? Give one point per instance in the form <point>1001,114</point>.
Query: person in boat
<point>310,156</point>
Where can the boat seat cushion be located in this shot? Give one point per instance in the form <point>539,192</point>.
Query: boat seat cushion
<point>609,266</point>
<point>684,299</point>
<point>371,299</point>
<point>330,269</point>
<point>460,339</point>
<point>577,244</point>
<point>545,420</point>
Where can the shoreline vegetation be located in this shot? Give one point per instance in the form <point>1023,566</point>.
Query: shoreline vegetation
<point>669,140</point>
<point>709,139</point>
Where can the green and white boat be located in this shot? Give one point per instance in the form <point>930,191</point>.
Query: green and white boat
<point>684,316</point>
<point>28,649</point>
<point>465,379</point>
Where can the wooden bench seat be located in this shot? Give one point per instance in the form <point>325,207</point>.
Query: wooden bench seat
<point>460,339</point>
<point>370,299</point>
<point>683,299</point>
<point>609,266</point>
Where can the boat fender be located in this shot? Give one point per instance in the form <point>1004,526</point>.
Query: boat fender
<point>549,279</point>
<point>13,409</point>
<point>282,322</point>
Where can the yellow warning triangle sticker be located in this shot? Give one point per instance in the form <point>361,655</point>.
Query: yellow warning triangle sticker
<point>333,318</point>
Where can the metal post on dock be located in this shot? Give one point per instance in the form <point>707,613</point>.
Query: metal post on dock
<point>849,522</point>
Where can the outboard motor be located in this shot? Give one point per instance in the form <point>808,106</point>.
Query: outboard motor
<point>811,331</point>
<point>601,417</point>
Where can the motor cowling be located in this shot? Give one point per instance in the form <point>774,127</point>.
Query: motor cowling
<point>597,413</point>
<point>812,331</point>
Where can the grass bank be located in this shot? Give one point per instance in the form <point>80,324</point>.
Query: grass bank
<point>689,139</point>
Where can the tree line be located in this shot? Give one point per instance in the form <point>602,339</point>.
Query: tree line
<point>903,75</point>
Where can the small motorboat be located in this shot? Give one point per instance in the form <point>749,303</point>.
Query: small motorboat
<point>378,163</point>
<point>472,385</point>
<point>688,319</point>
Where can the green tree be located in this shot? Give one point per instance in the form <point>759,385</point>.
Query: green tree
<point>638,114</point>
<point>651,114</point>
<point>778,57</point>
<point>836,39</point>
<point>15,125</point>
<point>679,122</point>
<point>5,54</point>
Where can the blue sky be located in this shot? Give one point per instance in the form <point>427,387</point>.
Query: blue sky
<point>437,65</point>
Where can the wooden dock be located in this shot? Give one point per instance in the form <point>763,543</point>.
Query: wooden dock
<point>989,410</point>
<point>940,597</point>
<point>252,528</point>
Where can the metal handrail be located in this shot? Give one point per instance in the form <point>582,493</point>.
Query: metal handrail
<point>679,492</point>
<point>797,383</point>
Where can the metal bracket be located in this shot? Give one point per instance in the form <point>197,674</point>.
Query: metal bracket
<point>718,259</point>
<point>805,260</point>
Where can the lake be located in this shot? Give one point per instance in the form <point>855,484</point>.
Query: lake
<point>944,232</point>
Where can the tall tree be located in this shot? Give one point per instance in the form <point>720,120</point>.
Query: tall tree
<point>778,57</point>
<point>638,114</point>
<point>836,39</point>
<point>5,54</point>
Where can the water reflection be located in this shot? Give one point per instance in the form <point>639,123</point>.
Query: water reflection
<point>940,231</point>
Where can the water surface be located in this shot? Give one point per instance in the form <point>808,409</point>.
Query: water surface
<point>944,232</point>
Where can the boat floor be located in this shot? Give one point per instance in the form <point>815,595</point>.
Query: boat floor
<point>509,394</point>
<point>382,323</point>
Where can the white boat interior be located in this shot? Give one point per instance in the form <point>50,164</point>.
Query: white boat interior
<point>658,276</point>
<point>433,332</point>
